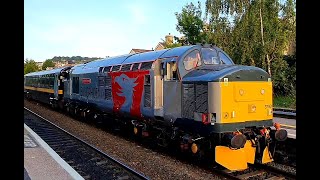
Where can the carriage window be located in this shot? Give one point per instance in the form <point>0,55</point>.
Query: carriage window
<point>224,58</point>
<point>192,60</point>
<point>210,56</point>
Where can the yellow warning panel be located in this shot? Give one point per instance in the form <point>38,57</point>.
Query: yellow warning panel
<point>231,159</point>
<point>250,152</point>
<point>266,157</point>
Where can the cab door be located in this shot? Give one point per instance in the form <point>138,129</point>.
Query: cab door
<point>171,89</point>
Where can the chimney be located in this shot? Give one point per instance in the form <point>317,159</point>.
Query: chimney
<point>169,39</point>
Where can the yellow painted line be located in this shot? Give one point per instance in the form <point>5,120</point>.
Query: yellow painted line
<point>43,89</point>
<point>285,125</point>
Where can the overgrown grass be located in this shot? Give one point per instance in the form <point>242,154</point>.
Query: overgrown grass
<point>284,102</point>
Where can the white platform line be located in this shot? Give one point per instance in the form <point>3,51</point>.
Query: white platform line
<point>292,135</point>
<point>54,155</point>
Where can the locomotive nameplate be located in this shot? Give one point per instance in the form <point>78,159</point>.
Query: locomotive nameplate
<point>86,81</point>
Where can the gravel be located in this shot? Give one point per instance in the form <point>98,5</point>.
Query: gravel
<point>151,163</point>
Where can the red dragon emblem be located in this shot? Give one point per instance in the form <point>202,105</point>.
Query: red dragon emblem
<point>127,88</point>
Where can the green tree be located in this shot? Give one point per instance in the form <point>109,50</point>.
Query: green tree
<point>190,23</point>
<point>255,32</point>
<point>47,63</point>
<point>30,66</point>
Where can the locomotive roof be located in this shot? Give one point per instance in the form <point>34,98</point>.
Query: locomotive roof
<point>51,71</point>
<point>94,66</point>
<point>178,51</point>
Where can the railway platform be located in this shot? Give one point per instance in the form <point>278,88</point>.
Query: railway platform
<point>288,124</point>
<point>41,162</point>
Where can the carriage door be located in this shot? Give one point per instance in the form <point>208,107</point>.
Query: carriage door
<point>56,88</point>
<point>171,89</point>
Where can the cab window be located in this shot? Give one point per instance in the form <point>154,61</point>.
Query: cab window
<point>224,58</point>
<point>210,56</point>
<point>192,60</point>
<point>169,69</point>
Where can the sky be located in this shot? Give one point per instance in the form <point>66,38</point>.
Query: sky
<point>96,28</point>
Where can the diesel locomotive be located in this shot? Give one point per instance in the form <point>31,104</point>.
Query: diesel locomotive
<point>194,96</point>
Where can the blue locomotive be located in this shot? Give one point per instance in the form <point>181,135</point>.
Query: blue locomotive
<point>193,95</point>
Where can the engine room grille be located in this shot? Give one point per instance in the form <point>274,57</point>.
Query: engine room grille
<point>188,105</point>
<point>147,96</point>
<point>195,99</point>
<point>201,98</point>
<point>101,81</point>
<point>108,94</point>
<point>107,80</point>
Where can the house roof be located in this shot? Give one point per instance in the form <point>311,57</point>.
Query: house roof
<point>160,45</point>
<point>140,50</point>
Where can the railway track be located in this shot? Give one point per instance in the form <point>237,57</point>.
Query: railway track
<point>259,171</point>
<point>284,112</point>
<point>254,172</point>
<point>88,161</point>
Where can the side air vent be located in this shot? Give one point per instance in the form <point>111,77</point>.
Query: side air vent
<point>147,91</point>
<point>126,67</point>
<point>101,81</point>
<point>135,66</point>
<point>188,101</point>
<point>100,69</point>
<point>201,98</point>
<point>116,68</point>
<point>108,94</point>
<point>107,80</point>
<point>106,69</point>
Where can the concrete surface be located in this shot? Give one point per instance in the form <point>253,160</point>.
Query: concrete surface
<point>41,162</point>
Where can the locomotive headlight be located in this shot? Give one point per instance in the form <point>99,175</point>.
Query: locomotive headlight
<point>262,91</point>
<point>241,92</point>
